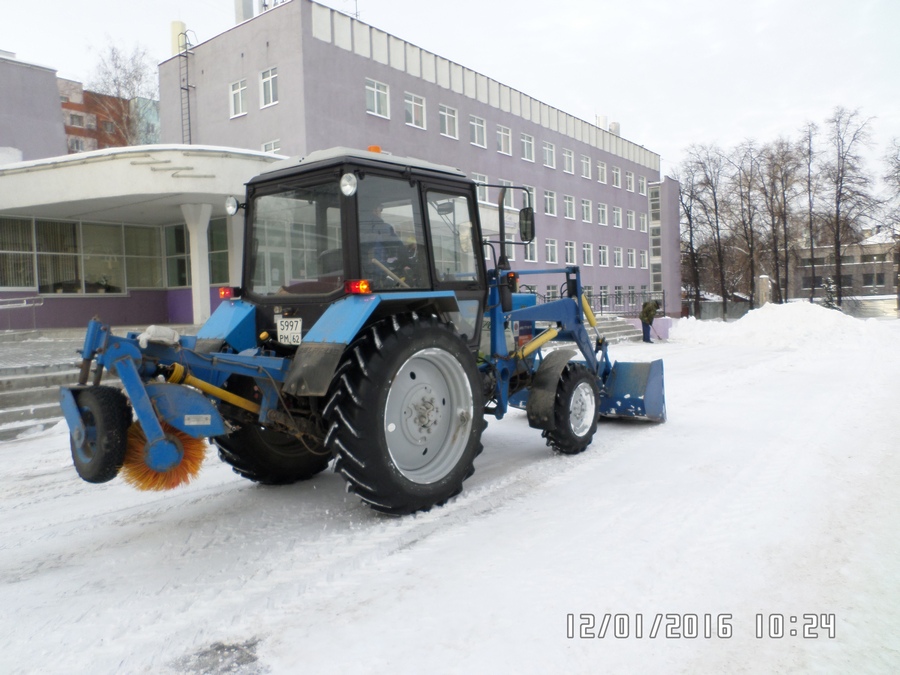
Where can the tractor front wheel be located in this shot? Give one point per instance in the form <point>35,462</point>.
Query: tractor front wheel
<point>575,410</point>
<point>406,414</point>
<point>106,415</point>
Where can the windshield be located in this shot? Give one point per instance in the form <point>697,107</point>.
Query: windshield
<point>296,241</point>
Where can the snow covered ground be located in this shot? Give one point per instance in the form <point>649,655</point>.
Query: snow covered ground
<point>772,490</point>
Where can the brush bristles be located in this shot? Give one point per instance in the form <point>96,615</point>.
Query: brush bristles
<point>136,473</point>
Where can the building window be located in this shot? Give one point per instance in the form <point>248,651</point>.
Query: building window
<point>549,155</point>
<point>177,252</point>
<point>631,258</point>
<point>569,206</point>
<point>510,247</point>
<point>482,190</point>
<point>477,132</point>
<point>530,199</point>
<point>601,172</point>
<point>107,127</point>
<point>449,126</point>
<point>549,202</point>
<point>617,216</point>
<point>601,215</point>
<point>568,161</point>
<point>239,98</point>
<point>604,296</point>
<point>268,87</point>
<point>16,253</point>
<point>143,259</point>
<point>508,195</point>
<point>603,255</point>
<point>217,236</point>
<point>585,166</point>
<point>415,110</point>
<point>552,293</point>
<point>629,181</point>
<point>617,256</point>
<point>644,260</point>
<point>570,253</point>
<point>531,251</point>
<point>587,254</point>
<point>504,140</point>
<point>642,185</point>
<point>272,146</point>
<point>76,144</point>
<point>587,210</point>
<point>377,99</point>
<point>629,219</point>
<point>617,295</point>
<point>527,148</point>
<point>616,177</point>
<point>643,222</point>
<point>76,120</point>
<point>550,249</point>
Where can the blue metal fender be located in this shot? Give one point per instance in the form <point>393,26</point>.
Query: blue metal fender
<point>186,409</point>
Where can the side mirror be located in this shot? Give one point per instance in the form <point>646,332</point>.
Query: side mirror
<point>526,224</point>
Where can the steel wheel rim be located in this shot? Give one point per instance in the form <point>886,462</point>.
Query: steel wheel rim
<point>582,409</point>
<point>428,415</point>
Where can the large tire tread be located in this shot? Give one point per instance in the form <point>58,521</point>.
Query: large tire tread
<point>562,439</point>
<point>107,411</point>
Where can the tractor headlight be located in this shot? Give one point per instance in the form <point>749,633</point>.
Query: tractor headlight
<point>348,184</point>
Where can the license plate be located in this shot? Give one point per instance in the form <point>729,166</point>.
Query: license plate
<point>289,330</point>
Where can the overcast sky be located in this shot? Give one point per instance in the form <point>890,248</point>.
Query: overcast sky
<point>671,73</point>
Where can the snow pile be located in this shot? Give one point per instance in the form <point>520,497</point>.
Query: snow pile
<point>782,326</point>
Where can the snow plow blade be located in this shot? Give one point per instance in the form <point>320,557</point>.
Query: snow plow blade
<point>635,390</point>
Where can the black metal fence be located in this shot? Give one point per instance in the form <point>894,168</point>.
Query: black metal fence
<point>623,302</point>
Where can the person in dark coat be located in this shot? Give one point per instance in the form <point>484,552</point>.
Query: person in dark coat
<point>648,313</point>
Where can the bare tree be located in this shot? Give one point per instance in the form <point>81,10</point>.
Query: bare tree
<point>128,82</point>
<point>745,164</point>
<point>848,184</point>
<point>808,158</point>
<point>690,236</point>
<point>709,166</point>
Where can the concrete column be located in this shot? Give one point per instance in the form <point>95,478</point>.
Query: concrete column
<point>196,218</point>
<point>763,290</point>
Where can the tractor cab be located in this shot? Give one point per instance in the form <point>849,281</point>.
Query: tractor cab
<point>343,222</point>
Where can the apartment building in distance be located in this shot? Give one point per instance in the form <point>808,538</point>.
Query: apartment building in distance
<point>301,77</point>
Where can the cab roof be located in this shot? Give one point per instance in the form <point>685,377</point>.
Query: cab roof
<point>341,155</point>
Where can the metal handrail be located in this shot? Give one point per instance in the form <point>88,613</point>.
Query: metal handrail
<point>18,303</point>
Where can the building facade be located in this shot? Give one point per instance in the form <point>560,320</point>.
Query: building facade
<point>30,123</point>
<point>92,121</point>
<point>301,77</point>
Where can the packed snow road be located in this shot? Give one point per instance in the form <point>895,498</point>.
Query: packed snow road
<point>764,509</point>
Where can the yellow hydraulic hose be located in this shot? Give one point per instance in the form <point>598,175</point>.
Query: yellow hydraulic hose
<point>588,312</point>
<point>180,376</point>
<point>536,343</point>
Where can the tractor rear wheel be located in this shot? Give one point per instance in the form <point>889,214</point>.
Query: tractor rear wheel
<point>406,414</point>
<point>271,457</point>
<point>106,415</point>
<point>575,410</point>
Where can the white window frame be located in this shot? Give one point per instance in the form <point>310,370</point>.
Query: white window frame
<point>616,177</point>
<point>587,254</point>
<point>272,146</point>
<point>504,140</point>
<point>568,161</point>
<point>629,181</point>
<point>482,190</point>
<point>617,217</point>
<point>617,256</point>
<point>549,203</point>
<point>238,98</point>
<point>380,95</point>
<point>531,193</point>
<point>477,131</point>
<point>508,195</point>
<point>629,219</point>
<point>268,87</point>
<point>413,103</point>
<point>527,143</point>
<point>645,260</point>
<point>603,255</point>
<point>511,247</point>
<point>602,214</point>
<point>570,252</point>
<point>632,258</point>
<point>531,251</point>
<point>448,115</point>
<point>549,150</point>
<point>587,211</point>
<point>643,222</point>
<point>585,167</point>
<point>601,172</point>
<point>642,185</point>
<point>569,207</point>
<point>550,251</point>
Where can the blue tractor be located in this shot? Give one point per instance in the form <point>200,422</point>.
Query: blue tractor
<point>368,331</point>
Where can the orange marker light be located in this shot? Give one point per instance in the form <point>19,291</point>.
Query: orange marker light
<point>226,292</point>
<point>357,287</point>
<point>374,148</point>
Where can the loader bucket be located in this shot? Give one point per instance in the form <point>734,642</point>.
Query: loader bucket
<point>635,390</point>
